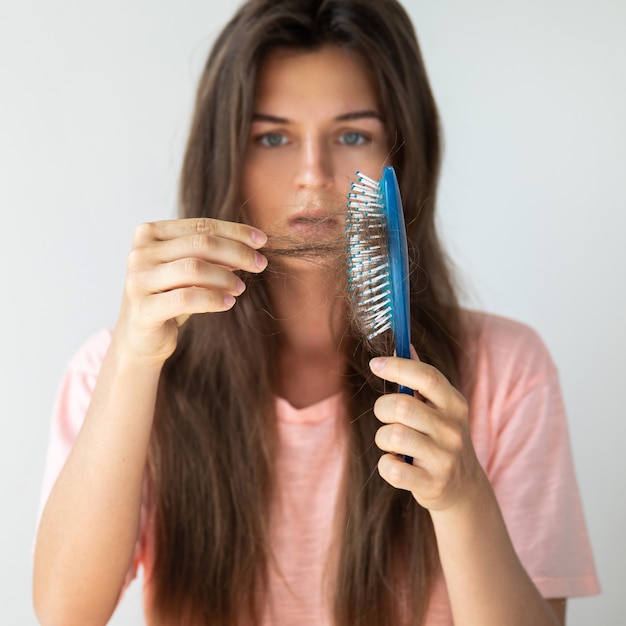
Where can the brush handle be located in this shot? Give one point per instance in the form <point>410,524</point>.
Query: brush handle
<point>399,270</point>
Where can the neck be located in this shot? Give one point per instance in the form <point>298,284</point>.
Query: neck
<point>308,307</point>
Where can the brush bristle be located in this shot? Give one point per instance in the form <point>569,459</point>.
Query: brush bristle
<point>368,264</point>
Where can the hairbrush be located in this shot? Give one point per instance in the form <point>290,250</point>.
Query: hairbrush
<point>378,264</point>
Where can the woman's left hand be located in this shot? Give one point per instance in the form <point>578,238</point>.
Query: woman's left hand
<point>432,427</point>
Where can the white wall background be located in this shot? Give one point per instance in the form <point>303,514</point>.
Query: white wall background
<point>95,100</point>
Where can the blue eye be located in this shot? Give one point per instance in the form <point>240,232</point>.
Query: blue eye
<point>272,140</point>
<point>352,138</point>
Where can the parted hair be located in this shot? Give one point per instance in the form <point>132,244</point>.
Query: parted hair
<point>212,451</point>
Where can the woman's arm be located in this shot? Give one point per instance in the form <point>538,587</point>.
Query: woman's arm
<point>89,525</point>
<point>486,582</point>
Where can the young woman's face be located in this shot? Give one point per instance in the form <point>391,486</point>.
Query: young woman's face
<point>316,121</point>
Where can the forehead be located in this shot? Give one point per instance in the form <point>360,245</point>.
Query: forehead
<point>336,76</point>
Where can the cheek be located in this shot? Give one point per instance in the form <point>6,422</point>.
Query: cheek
<point>376,158</point>
<point>370,160</point>
<point>263,172</point>
<point>263,195</point>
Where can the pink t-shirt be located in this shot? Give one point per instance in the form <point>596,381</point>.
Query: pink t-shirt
<point>520,434</point>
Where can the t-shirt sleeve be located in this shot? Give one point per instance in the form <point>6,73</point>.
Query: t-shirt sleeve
<point>71,404</point>
<point>531,469</point>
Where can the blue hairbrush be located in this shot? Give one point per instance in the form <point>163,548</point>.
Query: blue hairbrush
<point>378,263</point>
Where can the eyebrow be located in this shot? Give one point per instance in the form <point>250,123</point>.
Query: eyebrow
<point>346,117</point>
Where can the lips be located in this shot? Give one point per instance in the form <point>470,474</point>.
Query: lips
<point>317,213</point>
<point>311,232</point>
<point>314,223</point>
<point>312,219</point>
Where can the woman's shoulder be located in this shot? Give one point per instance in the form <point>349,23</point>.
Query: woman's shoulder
<point>502,347</point>
<point>90,354</point>
<point>492,327</point>
<point>488,331</point>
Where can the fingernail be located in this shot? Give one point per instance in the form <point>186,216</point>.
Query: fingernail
<point>240,287</point>
<point>229,300</point>
<point>414,353</point>
<point>258,237</point>
<point>260,261</point>
<point>378,363</point>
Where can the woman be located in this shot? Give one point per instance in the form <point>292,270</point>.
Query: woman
<point>228,443</point>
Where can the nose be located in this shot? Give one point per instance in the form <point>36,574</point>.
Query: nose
<point>314,166</point>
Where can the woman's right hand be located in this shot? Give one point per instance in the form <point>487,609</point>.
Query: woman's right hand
<point>177,268</point>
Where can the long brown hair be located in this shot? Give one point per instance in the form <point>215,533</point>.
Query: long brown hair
<point>215,433</point>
